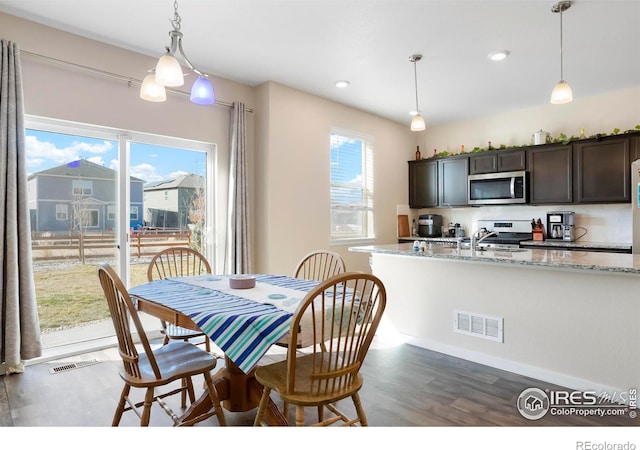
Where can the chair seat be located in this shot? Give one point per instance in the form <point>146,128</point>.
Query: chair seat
<point>274,376</point>
<point>176,332</point>
<point>177,360</point>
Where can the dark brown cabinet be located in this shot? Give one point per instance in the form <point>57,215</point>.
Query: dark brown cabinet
<point>550,174</point>
<point>595,170</point>
<point>423,183</point>
<point>497,161</point>
<point>438,182</point>
<point>602,171</point>
<point>452,181</point>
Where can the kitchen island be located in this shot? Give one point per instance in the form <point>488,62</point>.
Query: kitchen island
<point>566,317</point>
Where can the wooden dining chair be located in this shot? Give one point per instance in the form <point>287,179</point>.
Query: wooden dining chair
<point>343,313</point>
<point>319,265</point>
<point>178,262</point>
<point>153,368</point>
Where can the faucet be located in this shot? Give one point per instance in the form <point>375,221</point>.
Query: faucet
<point>476,238</point>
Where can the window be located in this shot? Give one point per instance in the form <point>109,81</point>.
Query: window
<point>111,212</point>
<point>62,212</point>
<point>133,213</point>
<point>82,187</point>
<point>166,195</point>
<point>351,186</point>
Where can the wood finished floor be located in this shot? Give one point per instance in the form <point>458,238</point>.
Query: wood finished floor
<point>404,386</point>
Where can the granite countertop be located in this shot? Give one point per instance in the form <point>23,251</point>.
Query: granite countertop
<point>564,259</point>
<point>578,244</point>
<point>613,246</point>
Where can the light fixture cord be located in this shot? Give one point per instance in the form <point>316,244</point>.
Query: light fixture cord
<point>415,76</point>
<point>561,59</point>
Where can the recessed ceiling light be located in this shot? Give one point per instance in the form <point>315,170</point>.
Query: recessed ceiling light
<point>499,55</point>
<point>342,84</point>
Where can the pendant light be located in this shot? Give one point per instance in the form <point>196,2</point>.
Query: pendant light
<point>417,123</point>
<point>562,91</point>
<point>168,72</point>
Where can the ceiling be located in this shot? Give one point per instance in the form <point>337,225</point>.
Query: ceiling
<point>310,44</point>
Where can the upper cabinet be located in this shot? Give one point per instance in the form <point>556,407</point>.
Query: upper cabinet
<point>452,181</point>
<point>423,183</point>
<point>550,174</point>
<point>497,161</point>
<point>438,182</point>
<point>602,171</point>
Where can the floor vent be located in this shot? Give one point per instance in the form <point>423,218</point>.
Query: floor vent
<point>73,365</point>
<point>478,325</point>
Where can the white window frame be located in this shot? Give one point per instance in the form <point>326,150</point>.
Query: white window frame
<point>62,212</point>
<point>124,137</point>
<point>131,209</point>
<point>82,187</point>
<point>366,208</point>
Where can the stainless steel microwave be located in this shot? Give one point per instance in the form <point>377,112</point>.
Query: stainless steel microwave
<point>500,188</point>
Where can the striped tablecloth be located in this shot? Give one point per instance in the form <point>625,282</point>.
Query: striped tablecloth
<point>244,323</point>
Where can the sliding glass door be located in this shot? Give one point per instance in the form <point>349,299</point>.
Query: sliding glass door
<point>95,195</point>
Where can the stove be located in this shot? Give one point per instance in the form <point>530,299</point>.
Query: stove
<point>510,232</point>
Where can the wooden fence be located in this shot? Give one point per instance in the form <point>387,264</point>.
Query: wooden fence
<point>50,246</point>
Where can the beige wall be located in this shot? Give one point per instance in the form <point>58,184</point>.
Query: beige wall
<point>289,168</point>
<point>292,175</point>
<point>61,92</point>
<point>596,114</point>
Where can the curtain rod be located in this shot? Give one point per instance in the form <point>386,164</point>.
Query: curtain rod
<point>115,76</point>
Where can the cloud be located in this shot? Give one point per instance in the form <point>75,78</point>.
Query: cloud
<point>146,172</point>
<point>40,152</point>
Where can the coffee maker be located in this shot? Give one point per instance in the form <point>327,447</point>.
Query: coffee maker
<point>561,225</point>
<point>430,225</point>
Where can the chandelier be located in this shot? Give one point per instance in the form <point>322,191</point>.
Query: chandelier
<point>168,72</point>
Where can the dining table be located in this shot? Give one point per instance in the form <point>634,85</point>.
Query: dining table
<point>243,322</point>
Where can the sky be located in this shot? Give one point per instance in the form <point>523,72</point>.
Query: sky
<point>150,163</point>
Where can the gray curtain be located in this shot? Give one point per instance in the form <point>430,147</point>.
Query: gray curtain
<point>238,248</point>
<point>20,327</point>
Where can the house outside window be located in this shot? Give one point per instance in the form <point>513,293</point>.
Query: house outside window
<point>62,212</point>
<point>351,186</point>
<point>82,187</point>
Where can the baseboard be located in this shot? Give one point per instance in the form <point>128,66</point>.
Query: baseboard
<point>537,373</point>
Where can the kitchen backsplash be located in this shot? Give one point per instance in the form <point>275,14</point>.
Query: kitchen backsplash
<point>603,223</point>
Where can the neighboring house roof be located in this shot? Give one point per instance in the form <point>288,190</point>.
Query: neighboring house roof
<point>82,168</point>
<point>189,181</point>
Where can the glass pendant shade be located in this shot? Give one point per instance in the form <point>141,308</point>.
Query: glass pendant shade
<point>151,91</point>
<point>417,123</point>
<point>561,93</point>
<point>169,72</point>
<point>202,92</point>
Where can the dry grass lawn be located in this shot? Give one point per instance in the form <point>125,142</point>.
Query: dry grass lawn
<point>70,295</point>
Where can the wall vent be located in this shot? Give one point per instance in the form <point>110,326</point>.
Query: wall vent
<point>478,325</point>
<point>64,367</point>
